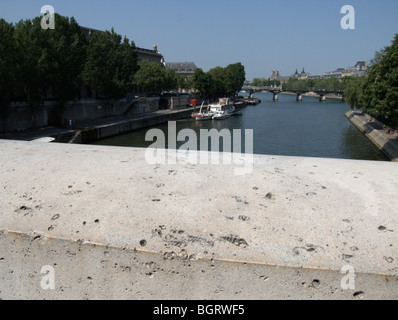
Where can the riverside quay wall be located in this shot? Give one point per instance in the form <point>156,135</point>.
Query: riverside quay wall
<point>92,222</point>
<point>20,115</point>
<point>373,129</point>
<point>122,126</point>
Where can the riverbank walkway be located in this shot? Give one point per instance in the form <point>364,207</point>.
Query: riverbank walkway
<point>377,132</point>
<point>39,133</point>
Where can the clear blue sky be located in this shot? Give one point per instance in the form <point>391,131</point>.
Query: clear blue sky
<point>263,35</point>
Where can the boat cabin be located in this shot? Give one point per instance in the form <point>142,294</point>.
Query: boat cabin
<point>224,104</point>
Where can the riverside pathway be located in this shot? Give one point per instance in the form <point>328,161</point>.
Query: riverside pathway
<point>39,133</point>
<point>376,132</point>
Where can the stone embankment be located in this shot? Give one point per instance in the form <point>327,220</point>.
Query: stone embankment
<point>101,223</point>
<point>85,110</point>
<point>93,130</point>
<point>123,126</point>
<point>374,130</point>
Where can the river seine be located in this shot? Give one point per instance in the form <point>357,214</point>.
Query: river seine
<point>286,127</point>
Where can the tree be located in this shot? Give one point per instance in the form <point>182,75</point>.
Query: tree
<point>380,91</point>
<point>152,77</point>
<point>110,65</point>
<point>202,82</point>
<point>296,85</point>
<point>35,60</point>
<point>184,82</point>
<point>257,82</point>
<point>219,81</point>
<point>219,85</point>
<point>354,92</point>
<point>170,80</point>
<point>7,63</point>
<point>236,76</point>
<point>378,56</point>
<point>63,58</point>
<point>49,59</point>
<point>30,75</point>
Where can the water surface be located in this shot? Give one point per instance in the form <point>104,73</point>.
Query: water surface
<point>286,127</point>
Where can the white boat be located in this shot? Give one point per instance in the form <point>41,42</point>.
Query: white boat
<point>204,116</point>
<point>253,102</point>
<point>225,104</point>
<point>201,116</point>
<point>221,115</point>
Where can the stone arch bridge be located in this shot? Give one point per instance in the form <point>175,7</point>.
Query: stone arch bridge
<point>276,90</point>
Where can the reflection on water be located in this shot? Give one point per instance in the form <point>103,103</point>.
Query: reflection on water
<point>286,127</point>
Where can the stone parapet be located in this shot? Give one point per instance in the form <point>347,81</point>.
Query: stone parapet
<point>112,226</point>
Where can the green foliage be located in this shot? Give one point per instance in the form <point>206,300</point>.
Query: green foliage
<point>378,56</point>
<point>262,82</point>
<point>184,82</point>
<point>7,61</point>
<point>380,91</point>
<point>354,92</point>
<point>219,81</point>
<point>171,79</point>
<point>30,71</point>
<point>296,85</point>
<point>236,76</point>
<point>202,82</point>
<point>153,77</point>
<point>48,59</point>
<point>110,65</point>
<point>63,57</point>
<point>35,61</point>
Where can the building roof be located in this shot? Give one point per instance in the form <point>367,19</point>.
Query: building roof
<point>147,51</point>
<point>182,67</point>
<point>89,32</point>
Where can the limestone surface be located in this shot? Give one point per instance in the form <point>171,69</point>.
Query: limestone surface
<point>111,225</point>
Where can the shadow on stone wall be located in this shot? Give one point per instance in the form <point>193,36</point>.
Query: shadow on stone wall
<point>374,130</point>
<point>20,117</point>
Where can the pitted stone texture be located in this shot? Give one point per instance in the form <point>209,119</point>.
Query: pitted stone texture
<point>290,215</point>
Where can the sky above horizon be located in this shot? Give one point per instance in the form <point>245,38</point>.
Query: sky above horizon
<point>263,35</point>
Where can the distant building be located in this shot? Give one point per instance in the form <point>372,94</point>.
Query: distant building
<point>361,66</point>
<point>360,69</point>
<point>301,76</point>
<point>89,31</point>
<point>338,73</point>
<point>150,55</point>
<point>186,69</point>
<point>143,54</point>
<point>276,75</point>
<point>285,79</point>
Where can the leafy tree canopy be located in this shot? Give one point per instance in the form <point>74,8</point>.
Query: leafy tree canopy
<point>380,91</point>
<point>63,58</point>
<point>219,81</point>
<point>7,61</point>
<point>154,77</point>
<point>110,65</point>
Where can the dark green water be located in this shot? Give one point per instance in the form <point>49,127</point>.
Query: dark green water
<point>287,127</point>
